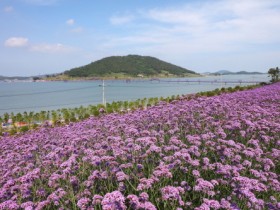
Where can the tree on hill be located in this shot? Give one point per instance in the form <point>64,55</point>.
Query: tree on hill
<point>274,74</point>
<point>131,65</point>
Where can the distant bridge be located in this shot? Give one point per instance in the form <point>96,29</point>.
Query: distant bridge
<point>208,81</point>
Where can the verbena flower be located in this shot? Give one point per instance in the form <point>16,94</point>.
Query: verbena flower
<point>114,200</point>
<point>83,202</point>
<point>97,199</point>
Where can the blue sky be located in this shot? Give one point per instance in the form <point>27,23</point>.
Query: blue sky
<point>51,36</point>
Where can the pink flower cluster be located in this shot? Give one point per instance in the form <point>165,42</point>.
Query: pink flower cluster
<point>113,200</point>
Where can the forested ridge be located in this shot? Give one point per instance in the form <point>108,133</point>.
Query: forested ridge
<point>131,65</point>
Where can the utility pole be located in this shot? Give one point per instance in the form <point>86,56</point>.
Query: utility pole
<point>103,93</point>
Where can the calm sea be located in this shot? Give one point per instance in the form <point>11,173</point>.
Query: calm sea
<point>37,96</point>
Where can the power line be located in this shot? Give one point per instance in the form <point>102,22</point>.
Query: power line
<point>82,88</point>
<point>159,84</point>
<point>71,89</point>
<point>137,86</point>
<point>44,92</point>
<point>54,105</point>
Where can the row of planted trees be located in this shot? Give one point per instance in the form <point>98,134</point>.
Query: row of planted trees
<point>227,90</point>
<point>22,122</point>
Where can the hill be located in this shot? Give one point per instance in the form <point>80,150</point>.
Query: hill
<point>131,65</point>
<point>226,72</point>
<point>246,72</point>
<point>223,72</point>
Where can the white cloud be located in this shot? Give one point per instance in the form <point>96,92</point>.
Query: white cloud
<point>120,20</point>
<point>8,9</point>
<point>43,48</point>
<point>70,22</point>
<point>16,42</point>
<point>221,26</point>
<point>183,16</point>
<point>207,30</point>
<point>51,48</point>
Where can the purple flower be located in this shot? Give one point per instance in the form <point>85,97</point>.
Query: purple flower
<point>41,192</point>
<point>97,199</point>
<point>83,202</point>
<point>212,203</point>
<point>113,201</point>
<point>9,204</point>
<point>147,205</point>
<point>42,204</point>
<point>121,176</point>
<point>145,184</point>
<point>203,207</point>
<point>196,173</point>
<point>171,193</point>
<point>204,186</point>
<point>27,205</point>
<point>133,201</point>
<point>144,196</point>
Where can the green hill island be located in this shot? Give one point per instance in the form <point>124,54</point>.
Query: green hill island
<point>130,66</point>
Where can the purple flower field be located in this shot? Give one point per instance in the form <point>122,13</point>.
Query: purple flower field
<point>220,152</point>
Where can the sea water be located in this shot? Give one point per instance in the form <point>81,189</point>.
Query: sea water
<point>37,96</point>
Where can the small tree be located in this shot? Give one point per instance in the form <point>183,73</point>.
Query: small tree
<point>274,74</point>
<point>6,117</point>
<point>54,117</point>
<point>1,128</point>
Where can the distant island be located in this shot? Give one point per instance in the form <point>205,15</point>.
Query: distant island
<point>124,67</point>
<point>130,66</point>
<point>226,72</point>
<point>15,78</point>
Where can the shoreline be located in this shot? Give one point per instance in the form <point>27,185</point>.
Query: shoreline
<point>80,79</point>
